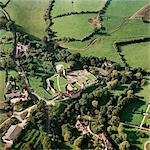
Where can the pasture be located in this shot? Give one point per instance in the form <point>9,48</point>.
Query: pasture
<point>137,55</point>
<point>76,6</point>
<point>28,14</point>
<point>74,26</point>
<point>119,10</point>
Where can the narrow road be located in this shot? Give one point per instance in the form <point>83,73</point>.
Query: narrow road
<point>137,127</point>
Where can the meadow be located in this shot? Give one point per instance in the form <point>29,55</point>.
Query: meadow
<point>137,55</point>
<point>29,15</point>
<point>76,6</point>
<point>74,26</point>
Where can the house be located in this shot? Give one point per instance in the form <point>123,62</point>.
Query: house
<point>108,63</point>
<point>82,128</point>
<point>21,49</point>
<point>13,95</point>
<point>107,144</point>
<point>72,92</point>
<point>15,101</point>
<point>12,134</point>
<point>25,95</point>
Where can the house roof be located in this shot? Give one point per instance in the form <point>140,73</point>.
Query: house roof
<point>13,132</point>
<point>12,95</point>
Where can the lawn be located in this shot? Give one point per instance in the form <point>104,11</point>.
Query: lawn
<point>132,112</point>
<point>63,82</point>
<point>54,82</point>
<point>5,34</point>
<point>78,5</point>
<point>2,85</point>
<point>74,26</point>
<point>29,15</point>
<point>37,85</point>
<point>137,55</point>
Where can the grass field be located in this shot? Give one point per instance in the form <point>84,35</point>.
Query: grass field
<point>114,16</point>
<point>132,112</point>
<point>118,10</point>
<point>29,15</point>
<point>74,26</point>
<point>102,48</point>
<point>2,85</point>
<point>137,55</point>
<point>78,5</point>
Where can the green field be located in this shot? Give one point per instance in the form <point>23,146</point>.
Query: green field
<point>132,112</point>
<point>2,85</point>
<point>74,26</point>
<point>29,15</point>
<point>102,48</point>
<point>78,5</point>
<point>114,16</point>
<point>137,55</point>
<point>118,10</point>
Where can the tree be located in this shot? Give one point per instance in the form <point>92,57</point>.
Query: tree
<point>78,142</point>
<point>124,146</point>
<point>120,128</point>
<point>115,120</point>
<point>138,76</point>
<point>130,94</point>
<point>67,136</point>
<point>95,103</point>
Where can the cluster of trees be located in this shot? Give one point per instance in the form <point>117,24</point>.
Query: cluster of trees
<point>103,108</point>
<point>48,19</point>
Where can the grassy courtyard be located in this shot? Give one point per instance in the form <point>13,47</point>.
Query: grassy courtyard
<point>37,85</point>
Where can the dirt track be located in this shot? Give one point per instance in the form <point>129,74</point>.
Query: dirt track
<point>140,12</point>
